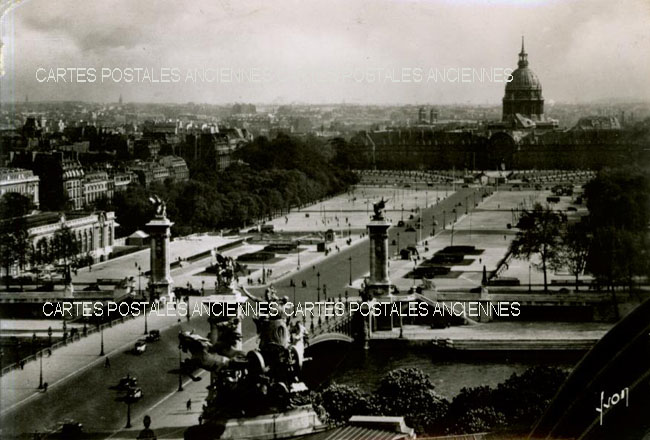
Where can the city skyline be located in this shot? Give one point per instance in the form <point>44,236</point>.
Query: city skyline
<point>316,53</point>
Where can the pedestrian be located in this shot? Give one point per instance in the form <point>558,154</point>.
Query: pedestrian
<point>107,363</point>
<point>45,386</point>
<point>22,364</point>
<point>189,404</point>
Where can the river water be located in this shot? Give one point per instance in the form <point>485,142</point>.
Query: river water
<point>346,364</point>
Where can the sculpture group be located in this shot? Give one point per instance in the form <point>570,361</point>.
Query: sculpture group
<point>261,381</point>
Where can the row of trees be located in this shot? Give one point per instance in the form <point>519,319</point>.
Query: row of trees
<point>272,176</point>
<point>611,243</point>
<point>513,405</point>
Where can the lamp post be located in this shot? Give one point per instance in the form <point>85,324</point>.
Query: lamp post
<point>101,334</point>
<point>318,286</point>
<point>40,377</point>
<point>180,362</point>
<point>139,279</point>
<point>350,260</point>
<point>298,259</point>
<point>263,273</point>
<point>146,327</point>
<point>444,219</point>
<point>128,410</point>
<point>294,292</point>
<point>398,243</point>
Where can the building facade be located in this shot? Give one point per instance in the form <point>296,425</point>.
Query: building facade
<point>21,181</point>
<point>94,232</point>
<point>96,186</point>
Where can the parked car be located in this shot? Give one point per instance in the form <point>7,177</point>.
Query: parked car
<point>140,347</point>
<point>153,336</point>
<point>127,382</point>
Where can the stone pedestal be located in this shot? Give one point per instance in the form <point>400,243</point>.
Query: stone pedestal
<point>288,424</point>
<point>161,280</point>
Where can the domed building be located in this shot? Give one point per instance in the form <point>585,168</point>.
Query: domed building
<point>523,103</point>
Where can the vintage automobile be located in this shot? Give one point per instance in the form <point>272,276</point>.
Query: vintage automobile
<point>127,382</point>
<point>134,393</point>
<point>140,347</point>
<point>153,336</point>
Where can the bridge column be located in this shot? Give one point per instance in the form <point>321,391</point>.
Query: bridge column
<point>161,279</point>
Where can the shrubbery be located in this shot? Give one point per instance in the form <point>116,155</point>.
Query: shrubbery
<point>513,405</point>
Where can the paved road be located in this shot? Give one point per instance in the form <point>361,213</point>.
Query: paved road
<point>88,397</point>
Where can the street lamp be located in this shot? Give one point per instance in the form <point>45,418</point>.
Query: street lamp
<point>294,292</point>
<point>350,260</point>
<point>180,362</point>
<point>139,279</point>
<point>298,259</point>
<point>318,288</point>
<point>398,243</point>
<point>40,377</point>
<point>128,399</point>
<point>101,333</point>
<point>146,328</point>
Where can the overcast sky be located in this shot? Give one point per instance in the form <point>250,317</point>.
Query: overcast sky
<point>581,50</point>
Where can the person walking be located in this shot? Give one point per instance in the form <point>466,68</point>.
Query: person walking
<point>189,404</point>
<point>107,363</point>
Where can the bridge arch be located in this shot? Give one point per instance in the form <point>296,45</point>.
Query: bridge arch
<point>330,337</point>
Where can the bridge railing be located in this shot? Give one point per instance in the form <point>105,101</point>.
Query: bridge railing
<point>319,325</point>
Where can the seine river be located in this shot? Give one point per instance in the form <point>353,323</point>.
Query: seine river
<point>341,363</point>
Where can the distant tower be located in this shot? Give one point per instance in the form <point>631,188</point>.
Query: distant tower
<point>524,93</point>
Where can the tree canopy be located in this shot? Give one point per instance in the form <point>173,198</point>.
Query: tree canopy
<point>539,231</point>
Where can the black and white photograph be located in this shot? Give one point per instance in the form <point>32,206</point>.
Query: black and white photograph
<point>325,219</point>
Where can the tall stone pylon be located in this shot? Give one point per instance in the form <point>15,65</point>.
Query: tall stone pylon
<point>160,285</point>
<point>379,282</point>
